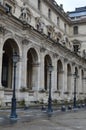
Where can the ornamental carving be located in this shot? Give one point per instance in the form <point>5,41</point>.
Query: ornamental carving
<point>55,55</point>
<point>25,41</point>
<point>65,59</point>
<point>50,28</point>
<point>73,63</point>
<point>39,24</point>
<point>25,14</point>
<point>42,49</point>
<point>2,29</point>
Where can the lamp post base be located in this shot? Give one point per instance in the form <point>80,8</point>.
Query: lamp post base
<point>13,109</point>
<point>49,110</point>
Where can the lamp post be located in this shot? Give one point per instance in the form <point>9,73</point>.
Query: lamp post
<point>50,68</point>
<point>75,76</point>
<point>15,59</point>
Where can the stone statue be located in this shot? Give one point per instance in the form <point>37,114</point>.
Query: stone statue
<point>25,13</point>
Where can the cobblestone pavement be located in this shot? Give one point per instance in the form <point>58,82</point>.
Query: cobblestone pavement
<point>37,120</point>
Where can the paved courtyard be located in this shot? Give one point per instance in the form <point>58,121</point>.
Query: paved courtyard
<point>37,120</point>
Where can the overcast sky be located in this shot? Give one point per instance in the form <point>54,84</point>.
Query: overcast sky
<point>70,5</point>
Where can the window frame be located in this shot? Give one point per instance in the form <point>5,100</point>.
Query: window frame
<point>49,13</point>
<point>75,30</point>
<point>39,5</point>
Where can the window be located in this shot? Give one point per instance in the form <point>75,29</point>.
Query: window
<point>39,4</point>
<point>49,13</point>
<point>75,30</point>
<point>8,8</point>
<point>57,21</point>
<point>65,27</point>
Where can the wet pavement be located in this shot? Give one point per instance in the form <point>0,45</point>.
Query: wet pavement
<point>40,120</point>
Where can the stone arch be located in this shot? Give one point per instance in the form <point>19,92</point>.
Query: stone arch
<point>36,50</point>
<point>47,61</point>
<point>11,36</point>
<point>32,69</point>
<point>68,77</point>
<point>59,75</point>
<point>9,47</point>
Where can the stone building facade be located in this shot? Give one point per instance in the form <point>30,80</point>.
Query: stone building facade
<point>42,34</point>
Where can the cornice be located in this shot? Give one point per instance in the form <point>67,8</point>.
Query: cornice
<point>58,9</point>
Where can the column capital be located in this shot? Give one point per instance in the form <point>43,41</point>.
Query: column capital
<point>2,29</point>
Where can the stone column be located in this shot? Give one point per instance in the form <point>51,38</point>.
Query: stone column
<point>24,64</point>
<point>61,82</point>
<point>69,78</point>
<point>65,75</point>
<point>79,82</point>
<point>84,82</point>
<point>1,54</point>
<point>72,79</point>
<point>54,73</point>
<point>35,77</point>
<point>1,88</point>
<point>42,70</point>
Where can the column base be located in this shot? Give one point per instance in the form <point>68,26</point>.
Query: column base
<point>1,96</point>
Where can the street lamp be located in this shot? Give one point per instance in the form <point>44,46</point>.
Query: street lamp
<point>15,59</point>
<point>50,69</point>
<point>75,76</point>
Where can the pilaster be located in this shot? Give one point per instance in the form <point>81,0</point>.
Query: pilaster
<point>24,64</point>
<point>42,72</point>
<point>1,54</point>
